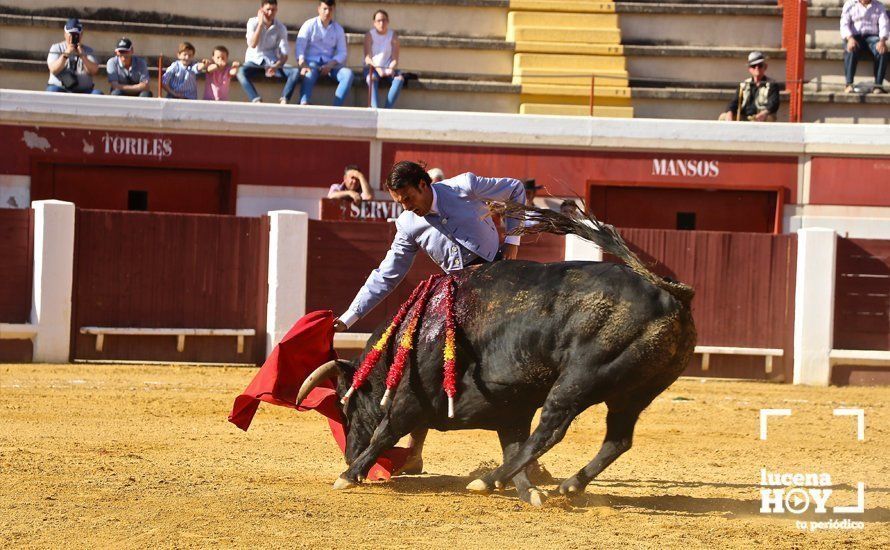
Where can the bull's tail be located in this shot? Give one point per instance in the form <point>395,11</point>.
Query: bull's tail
<point>542,220</point>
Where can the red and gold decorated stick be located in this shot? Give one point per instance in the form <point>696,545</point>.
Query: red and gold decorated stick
<point>449,380</point>
<point>377,350</point>
<point>394,376</point>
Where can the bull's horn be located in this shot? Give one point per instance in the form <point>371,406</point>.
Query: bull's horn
<point>319,375</point>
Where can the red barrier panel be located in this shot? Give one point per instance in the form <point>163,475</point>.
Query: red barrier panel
<point>862,295</point>
<point>16,272</point>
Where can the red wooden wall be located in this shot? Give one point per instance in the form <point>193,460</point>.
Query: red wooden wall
<point>744,285</point>
<point>169,271</point>
<point>16,269</point>
<point>862,305</point>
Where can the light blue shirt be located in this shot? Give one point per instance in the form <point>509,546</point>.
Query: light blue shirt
<point>457,230</point>
<point>182,79</point>
<point>320,44</point>
<point>271,46</point>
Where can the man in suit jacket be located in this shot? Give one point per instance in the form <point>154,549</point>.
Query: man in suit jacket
<point>448,220</point>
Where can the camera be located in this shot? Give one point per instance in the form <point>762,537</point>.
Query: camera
<point>75,38</point>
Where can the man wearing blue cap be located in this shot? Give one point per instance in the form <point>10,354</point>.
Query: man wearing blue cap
<point>72,63</point>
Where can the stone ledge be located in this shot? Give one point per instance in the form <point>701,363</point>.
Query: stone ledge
<point>712,94</point>
<point>696,8</point>
<point>426,41</point>
<point>670,50</point>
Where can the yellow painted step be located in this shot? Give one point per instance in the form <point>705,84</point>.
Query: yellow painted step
<point>575,110</point>
<point>556,21</point>
<point>576,91</point>
<point>568,48</point>
<point>531,62</point>
<point>584,6</point>
<point>569,100</point>
<point>542,76</point>
<point>600,35</point>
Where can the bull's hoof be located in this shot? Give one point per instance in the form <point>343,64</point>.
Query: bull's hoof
<point>479,486</point>
<point>343,484</point>
<point>413,466</point>
<point>571,486</point>
<point>536,497</point>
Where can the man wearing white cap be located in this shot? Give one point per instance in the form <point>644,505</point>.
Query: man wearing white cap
<point>72,63</point>
<point>757,98</point>
<point>127,73</point>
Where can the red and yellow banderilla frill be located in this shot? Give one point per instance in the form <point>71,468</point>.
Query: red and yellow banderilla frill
<point>420,296</point>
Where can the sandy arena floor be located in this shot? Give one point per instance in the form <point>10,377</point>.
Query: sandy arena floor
<point>142,456</point>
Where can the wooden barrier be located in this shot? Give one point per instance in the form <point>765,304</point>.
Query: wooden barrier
<point>16,268</point>
<point>162,272</point>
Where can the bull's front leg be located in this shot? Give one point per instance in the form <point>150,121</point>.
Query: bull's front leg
<point>385,436</point>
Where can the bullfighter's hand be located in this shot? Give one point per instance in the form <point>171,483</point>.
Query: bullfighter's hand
<point>339,326</point>
<point>511,251</point>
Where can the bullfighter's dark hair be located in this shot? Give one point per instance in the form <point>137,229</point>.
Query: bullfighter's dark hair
<point>327,2</point>
<point>406,173</point>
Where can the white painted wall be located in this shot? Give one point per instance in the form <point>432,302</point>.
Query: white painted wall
<point>814,305</point>
<point>258,200</point>
<point>855,222</point>
<point>582,250</point>
<point>288,262</point>
<point>15,191</point>
<point>53,277</point>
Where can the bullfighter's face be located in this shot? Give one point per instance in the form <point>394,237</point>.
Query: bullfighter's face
<point>416,198</point>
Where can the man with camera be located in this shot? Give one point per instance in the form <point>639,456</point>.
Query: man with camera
<point>127,73</point>
<point>72,63</point>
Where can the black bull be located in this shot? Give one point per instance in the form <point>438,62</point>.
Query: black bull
<point>560,337</point>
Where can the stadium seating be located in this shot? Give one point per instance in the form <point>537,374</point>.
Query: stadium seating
<point>650,58</point>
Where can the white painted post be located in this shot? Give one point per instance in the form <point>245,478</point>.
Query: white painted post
<point>288,261</point>
<point>582,249</point>
<point>53,279</point>
<point>814,305</point>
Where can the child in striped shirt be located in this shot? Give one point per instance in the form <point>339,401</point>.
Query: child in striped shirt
<point>180,78</point>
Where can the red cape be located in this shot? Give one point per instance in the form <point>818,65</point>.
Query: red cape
<point>305,347</point>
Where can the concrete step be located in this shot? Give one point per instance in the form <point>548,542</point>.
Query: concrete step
<point>600,35</point>
<point>575,110</point>
<point>615,79</point>
<point>576,6</point>
<point>482,18</point>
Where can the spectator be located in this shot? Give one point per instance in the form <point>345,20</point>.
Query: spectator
<point>127,73</point>
<point>757,98</point>
<point>219,75</point>
<point>354,187</point>
<point>381,59</point>
<point>436,175</point>
<point>568,208</point>
<point>72,63</point>
<point>180,79</point>
<point>267,53</point>
<point>864,28</point>
<point>321,51</point>
<point>531,190</point>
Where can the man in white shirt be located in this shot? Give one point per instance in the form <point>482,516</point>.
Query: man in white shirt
<point>267,53</point>
<point>321,51</point>
<point>71,63</point>
<point>865,28</point>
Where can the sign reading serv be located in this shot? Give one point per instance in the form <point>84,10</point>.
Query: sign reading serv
<point>686,168</point>
<point>341,209</point>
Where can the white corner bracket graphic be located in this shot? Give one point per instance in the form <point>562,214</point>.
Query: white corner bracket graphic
<point>860,502</point>
<point>860,424</point>
<point>765,414</point>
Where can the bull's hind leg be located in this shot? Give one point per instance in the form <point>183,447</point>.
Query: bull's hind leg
<point>619,435</point>
<point>620,422</point>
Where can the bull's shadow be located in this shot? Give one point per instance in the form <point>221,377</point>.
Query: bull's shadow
<point>602,493</point>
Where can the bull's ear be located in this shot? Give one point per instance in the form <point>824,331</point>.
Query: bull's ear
<point>347,368</point>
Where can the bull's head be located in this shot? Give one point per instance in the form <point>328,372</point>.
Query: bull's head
<point>362,413</point>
